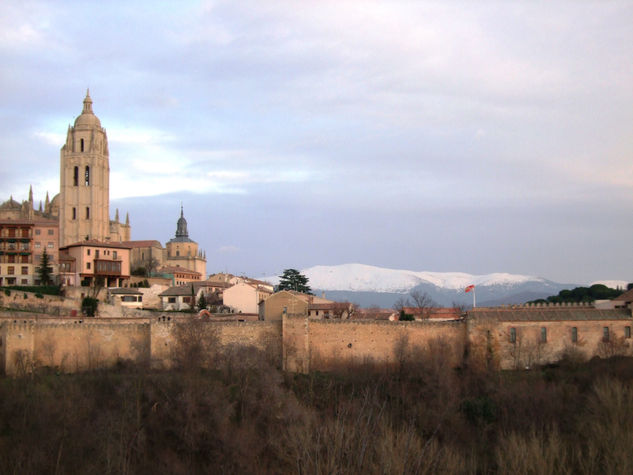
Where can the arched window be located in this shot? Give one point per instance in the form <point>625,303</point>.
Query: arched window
<point>76,176</point>
<point>87,176</point>
<point>82,145</point>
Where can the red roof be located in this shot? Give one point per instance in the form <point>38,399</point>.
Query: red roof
<point>95,243</point>
<point>137,244</point>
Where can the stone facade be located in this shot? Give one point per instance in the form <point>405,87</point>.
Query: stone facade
<point>84,208</point>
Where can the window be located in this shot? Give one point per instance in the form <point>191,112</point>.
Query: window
<point>171,299</point>
<point>11,259</point>
<point>627,332</point>
<point>11,270</point>
<point>24,260</point>
<point>38,245</point>
<point>76,176</point>
<point>113,254</point>
<point>25,246</point>
<point>513,335</point>
<point>50,232</point>
<point>96,253</point>
<point>543,335</point>
<point>81,145</point>
<point>74,213</point>
<point>605,333</point>
<point>88,265</point>
<point>25,270</point>
<point>50,245</point>
<point>38,231</point>
<point>25,233</point>
<point>87,212</point>
<point>87,180</point>
<point>574,334</point>
<point>25,281</point>
<point>88,252</point>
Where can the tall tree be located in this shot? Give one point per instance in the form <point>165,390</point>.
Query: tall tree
<point>44,271</point>
<point>292,279</point>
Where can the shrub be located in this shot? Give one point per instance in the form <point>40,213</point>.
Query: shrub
<point>7,292</point>
<point>89,306</point>
<point>38,295</point>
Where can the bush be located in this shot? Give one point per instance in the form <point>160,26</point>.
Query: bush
<point>7,292</point>
<point>89,306</point>
<point>38,295</point>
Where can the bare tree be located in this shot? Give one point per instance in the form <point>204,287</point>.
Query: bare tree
<point>422,299</point>
<point>400,303</point>
<point>343,310</point>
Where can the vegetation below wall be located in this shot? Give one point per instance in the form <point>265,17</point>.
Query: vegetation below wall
<point>40,289</point>
<point>248,417</point>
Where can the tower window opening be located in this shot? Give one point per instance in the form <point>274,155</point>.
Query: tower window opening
<point>82,145</point>
<point>87,212</point>
<point>76,176</point>
<point>74,213</point>
<point>87,176</point>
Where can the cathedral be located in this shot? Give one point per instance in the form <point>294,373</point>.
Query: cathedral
<point>79,214</point>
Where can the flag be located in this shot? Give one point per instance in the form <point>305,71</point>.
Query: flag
<point>469,288</point>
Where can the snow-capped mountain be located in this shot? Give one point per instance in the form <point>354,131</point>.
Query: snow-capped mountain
<point>371,285</point>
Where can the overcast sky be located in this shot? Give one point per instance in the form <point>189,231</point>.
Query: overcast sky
<point>441,136</point>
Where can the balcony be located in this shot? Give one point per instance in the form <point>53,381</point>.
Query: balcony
<point>107,267</point>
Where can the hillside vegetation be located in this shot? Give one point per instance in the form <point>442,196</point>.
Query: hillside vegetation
<point>248,417</point>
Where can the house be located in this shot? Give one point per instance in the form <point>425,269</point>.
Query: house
<point>289,302</point>
<point>342,310</point>
<point>246,296</point>
<point>181,297</point>
<point>126,297</point>
<point>84,262</point>
<point>179,275</point>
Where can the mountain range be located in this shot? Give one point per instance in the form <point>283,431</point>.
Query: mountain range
<point>377,286</point>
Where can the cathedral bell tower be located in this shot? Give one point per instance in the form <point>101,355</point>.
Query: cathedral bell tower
<point>84,180</point>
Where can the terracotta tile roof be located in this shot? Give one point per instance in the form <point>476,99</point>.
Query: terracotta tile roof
<point>137,244</point>
<point>181,290</point>
<point>551,314</point>
<point>178,269</point>
<point>95,243</point>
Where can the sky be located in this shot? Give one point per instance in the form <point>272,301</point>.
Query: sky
<point>433,136</point>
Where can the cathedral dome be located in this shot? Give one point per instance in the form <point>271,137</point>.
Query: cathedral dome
<point>87,119</point>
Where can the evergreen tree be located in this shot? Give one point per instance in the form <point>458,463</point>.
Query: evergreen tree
<point>44,270</point>
<point>202,302</point>
<point>292,279</point>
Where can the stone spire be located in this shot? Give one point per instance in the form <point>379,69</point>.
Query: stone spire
<point>87,103</point>
<point>47,204</point>
<point>116,215</point>
<point>31,195</point>
<point>40,206</point>
<point>127,218</point>
<point>181,229</point>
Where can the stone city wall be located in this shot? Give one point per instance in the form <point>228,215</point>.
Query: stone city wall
<point>327,344</point>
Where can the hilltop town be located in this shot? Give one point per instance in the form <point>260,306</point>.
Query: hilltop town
<point>123,298</point>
